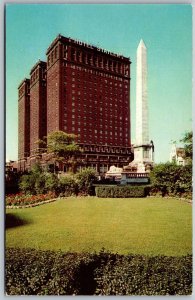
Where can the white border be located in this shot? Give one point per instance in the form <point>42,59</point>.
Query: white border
<point>2,127</point>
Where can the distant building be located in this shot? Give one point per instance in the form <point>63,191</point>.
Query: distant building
<point>177,155</point>
<point>84,90</point>
<point>11,166</point>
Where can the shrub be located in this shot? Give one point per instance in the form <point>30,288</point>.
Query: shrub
<point>34,182</point>
<point>85,179</point>
<point>51,182</point>
<point>121,191</point>
<point>172,180</point>
<point>27,184</point>
<point>38,182</point>
<point>35,272</point>
<point>142,275</point>
<point>67,186</point>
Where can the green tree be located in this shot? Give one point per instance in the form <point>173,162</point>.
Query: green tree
<point>187,140</point>
<point>34,182</point>
<point>171,179</point>
<point>61,147</point>
<point>85,179</point>
<point>67,186</point>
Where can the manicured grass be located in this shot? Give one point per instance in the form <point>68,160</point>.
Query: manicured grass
<point>149,226</point>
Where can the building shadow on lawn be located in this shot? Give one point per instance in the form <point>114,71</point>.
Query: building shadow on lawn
<point>11,220</point>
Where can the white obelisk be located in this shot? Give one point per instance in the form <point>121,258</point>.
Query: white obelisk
<point>143,149</point>
<point>142,136</point>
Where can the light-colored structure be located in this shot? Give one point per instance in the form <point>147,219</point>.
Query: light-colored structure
<point>137,171</point>
<point>142,131</point>
<point>143,148</point>
<point>114,173</point>
<point>177,155</point>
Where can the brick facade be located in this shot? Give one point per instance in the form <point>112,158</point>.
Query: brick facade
<point>88,94</point>
<point>38,106</point>
<point>23,123</point>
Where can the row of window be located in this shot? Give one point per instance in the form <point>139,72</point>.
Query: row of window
<point>115,142</point>
<point>87,96</point>
<point>95,82</point>
<point>99,61</point>
<point>91,87</point>
<point>94,72</point>
<point>86,109</point>
<point>94,99</point>
<point>52,56</point>
<point>38,73</point>
<point>24,90</point>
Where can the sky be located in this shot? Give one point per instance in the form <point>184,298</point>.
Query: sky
<point>167,34</point>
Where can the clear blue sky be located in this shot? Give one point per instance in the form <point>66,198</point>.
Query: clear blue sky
<point>165,29</point>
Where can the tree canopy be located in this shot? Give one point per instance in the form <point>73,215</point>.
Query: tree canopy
<point>62,144</point>
<point>187,140</point>
<point>61,147</point>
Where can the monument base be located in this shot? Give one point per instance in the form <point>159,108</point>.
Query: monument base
<point>134,178</point>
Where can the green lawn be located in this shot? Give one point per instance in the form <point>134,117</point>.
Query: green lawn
<point>144,226</point>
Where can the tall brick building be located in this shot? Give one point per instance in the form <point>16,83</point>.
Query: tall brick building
<point>88,94</point>
<point>38,106</point>
<point>23,123</point>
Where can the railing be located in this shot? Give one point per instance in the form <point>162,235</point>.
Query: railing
<point>137,175</point>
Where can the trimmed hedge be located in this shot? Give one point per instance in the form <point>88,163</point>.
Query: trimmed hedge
<point>35,272</point>
<point>121,191</point>
<point>142,275</point>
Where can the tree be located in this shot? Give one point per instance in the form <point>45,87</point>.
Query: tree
<point>34,182</point>
<point>187,141</point>
<point>171,179</point>
<point>85,179</point>
<point>61,147</point>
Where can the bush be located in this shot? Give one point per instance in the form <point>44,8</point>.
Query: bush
<point>142,275</point>
<point>34,182</point>
<point>39,182</point>
<point>121,191</point>
<point>35,272</point>
<point>85,179</point>
<point>27,184</point>
<point>67,186</point>
<point>171,180</point>
<point>51,182</point>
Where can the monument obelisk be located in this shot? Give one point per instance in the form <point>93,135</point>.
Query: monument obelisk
<point>142,131</point>
<point>143,148</point>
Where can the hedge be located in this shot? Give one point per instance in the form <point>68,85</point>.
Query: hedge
<point>36,272</point>
<point>121,191</point>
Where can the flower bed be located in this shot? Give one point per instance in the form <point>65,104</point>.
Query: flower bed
<point>24,200</point>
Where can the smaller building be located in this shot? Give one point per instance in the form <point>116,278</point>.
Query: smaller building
<point>11,166</point>
<point>177,155</point>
